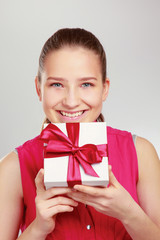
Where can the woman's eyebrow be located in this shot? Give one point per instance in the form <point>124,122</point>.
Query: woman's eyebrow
<point>87,78</point>
<point>56,78</point>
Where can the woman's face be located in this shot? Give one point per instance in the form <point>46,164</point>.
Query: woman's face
<point>72,89</point>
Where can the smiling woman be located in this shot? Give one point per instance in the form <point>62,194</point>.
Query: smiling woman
<point>72,86</point>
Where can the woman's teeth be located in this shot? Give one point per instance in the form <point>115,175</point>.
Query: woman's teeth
<point>71,114</point>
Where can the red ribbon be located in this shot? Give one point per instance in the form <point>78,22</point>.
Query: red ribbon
<point>58,145</point>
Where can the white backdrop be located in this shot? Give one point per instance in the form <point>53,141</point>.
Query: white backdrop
<point>130,33</point>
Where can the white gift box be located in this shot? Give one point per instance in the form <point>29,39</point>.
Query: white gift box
<point>56,168</point>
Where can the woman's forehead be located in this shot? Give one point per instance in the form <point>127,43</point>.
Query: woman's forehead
<point>72,58</point>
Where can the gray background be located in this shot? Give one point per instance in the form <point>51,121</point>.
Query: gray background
<point>130,33</point>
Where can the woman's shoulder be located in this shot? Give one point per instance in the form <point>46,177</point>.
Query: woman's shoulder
<point>146,152</point>
<point>144,144</point>
<point>10,171</point>
<point>148,165</point>
<point>9,162</point>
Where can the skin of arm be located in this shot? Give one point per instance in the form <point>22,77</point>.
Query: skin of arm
<point>141,222</point>
<point>11,200</point>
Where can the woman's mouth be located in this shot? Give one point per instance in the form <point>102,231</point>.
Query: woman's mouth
<point>71,115</point>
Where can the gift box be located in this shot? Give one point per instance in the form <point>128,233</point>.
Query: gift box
<point>75,153</point>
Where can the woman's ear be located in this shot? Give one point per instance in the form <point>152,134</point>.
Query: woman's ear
<point>38,88</point>
<point>106,86</point>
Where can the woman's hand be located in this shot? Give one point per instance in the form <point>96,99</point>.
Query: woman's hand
<point>113,201</point>
<point>49,203</point>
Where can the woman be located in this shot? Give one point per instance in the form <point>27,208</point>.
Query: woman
<point>72,85</point>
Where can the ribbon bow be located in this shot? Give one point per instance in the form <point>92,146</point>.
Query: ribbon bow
<point>58,145</point>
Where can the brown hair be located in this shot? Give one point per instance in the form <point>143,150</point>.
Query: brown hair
<point>73,37</point>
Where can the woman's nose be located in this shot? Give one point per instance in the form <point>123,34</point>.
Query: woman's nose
<point>71,98</point>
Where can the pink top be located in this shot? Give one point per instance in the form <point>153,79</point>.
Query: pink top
<point>83,222</point>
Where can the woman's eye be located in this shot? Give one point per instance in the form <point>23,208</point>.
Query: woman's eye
<point>86,85</point>
<point>56,85</point>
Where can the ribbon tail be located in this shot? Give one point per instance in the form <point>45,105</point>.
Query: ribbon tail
<point>88,169</point>
<point>73,174</point>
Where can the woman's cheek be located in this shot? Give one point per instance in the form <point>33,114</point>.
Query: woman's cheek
<point>93,98</point>
<point>52,97</point>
